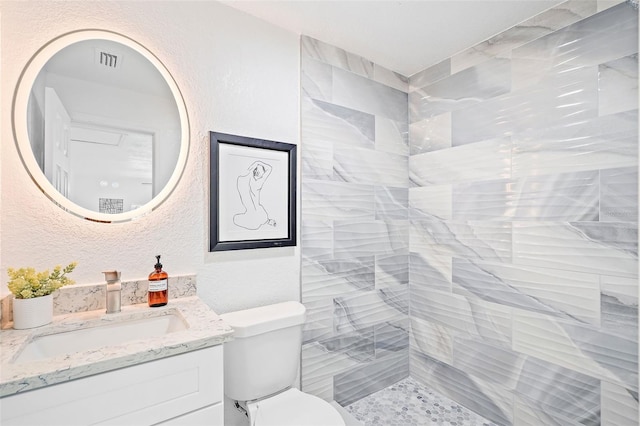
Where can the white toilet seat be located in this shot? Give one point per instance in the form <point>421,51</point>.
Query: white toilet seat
<point>293,408</point>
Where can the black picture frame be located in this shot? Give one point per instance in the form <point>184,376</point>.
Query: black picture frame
<point>252,193</point>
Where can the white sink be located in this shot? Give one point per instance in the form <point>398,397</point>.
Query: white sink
<point>99,336</point>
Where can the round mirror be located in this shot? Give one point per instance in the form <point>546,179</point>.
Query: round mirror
<point>101,125</point>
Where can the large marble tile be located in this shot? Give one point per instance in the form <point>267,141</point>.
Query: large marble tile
<point>456,313</point>
<point>586,43</point>
<point>318,51</point>
<point>317,239</point>
<point>623,289</point>
<point>319,321</point>
<point>578,347</point>
<point>618,85</point>
<point>391,203</point>
<point>488,400</point>
<point>391,337</point>
<point>325,122</point>
<point>619,195</point>
<point>324,359</point>
<point>557,395</point>
<point>332,278</point>
<point>564,197</point>
<point>493,364</point>
<point>370,167</point>
<point>486,160</point>
<point>335,56</point>
<point>430,271</point>
<point>392,270</point>
<point>392,136</point>
<point>321,387</point>
<point>546,390</point>
<point>359,311</point>
<point>358,346</point>
<point>362,94</point>
<point>316,79</point>
<point>433,201</point>
<point>355,234</point>
<point>492,322</point>
<point>619,306</point>
<point>561,99</point>
<point>598,143</point>
<point>316,158</point>
<point>430,75</point>
<point>432,339</point>
<point>606,4</point>
<point>390,78</point>
<point>599,248</point>
<point>363,381</point>
<point>461,90</point>
<point>326,200</point>
<point>369,238</point>
<point>430,134</point>
<point>619,405</point>
<point>470,240</point>
<point>622,237</point>
<point>523,414</point>
<point>538,26</point>
<point>565,294</point>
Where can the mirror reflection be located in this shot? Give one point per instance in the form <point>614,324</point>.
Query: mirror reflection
<point>104,126</point>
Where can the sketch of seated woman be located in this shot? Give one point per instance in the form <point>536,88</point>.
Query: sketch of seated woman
<point>249,186</point>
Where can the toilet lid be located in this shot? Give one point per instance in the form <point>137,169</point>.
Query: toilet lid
<point>293,408</point>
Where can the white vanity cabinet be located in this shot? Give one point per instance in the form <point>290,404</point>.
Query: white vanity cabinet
<point>185,389</point>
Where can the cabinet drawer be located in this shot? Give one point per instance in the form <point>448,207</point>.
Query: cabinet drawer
<point>212,415</point>
<point>146,393</point>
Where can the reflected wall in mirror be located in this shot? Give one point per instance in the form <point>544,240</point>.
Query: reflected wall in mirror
<point>101,125</point>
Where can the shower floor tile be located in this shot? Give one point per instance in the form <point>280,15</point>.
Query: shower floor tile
<point>411,403</point>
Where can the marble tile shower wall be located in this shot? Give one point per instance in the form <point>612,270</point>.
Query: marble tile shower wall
<point>523,207</point>
<point>355,224</point>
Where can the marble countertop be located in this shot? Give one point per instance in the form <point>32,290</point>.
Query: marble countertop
<point>205,329</point>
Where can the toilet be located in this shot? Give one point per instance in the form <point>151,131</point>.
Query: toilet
<point>261,365</point>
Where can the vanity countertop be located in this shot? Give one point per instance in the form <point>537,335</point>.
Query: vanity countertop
<point>205,329</point>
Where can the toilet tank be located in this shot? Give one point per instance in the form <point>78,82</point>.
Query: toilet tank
<point>264,354</point>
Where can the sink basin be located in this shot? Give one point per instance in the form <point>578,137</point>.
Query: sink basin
<point>99,336</point>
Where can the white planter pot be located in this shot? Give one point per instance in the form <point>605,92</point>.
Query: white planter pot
<point>31,313</point>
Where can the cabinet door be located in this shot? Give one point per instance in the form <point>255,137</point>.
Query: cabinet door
<point>143,394</point>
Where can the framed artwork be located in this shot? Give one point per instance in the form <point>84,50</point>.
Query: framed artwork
<point>252,201</point>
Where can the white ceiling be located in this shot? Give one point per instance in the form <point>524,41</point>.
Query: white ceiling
<point>404,36</point>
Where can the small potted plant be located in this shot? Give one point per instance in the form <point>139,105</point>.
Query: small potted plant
<point>32,294</point>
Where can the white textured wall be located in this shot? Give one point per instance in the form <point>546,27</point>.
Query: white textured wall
<point>237,75</point>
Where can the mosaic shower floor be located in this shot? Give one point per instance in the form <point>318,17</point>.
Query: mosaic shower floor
<point>411,403</point>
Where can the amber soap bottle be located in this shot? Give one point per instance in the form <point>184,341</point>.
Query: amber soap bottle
<point>158,286</point>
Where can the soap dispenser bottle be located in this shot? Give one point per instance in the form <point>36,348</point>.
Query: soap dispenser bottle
<point>158,286</point>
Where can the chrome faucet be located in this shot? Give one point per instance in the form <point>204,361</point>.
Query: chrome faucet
<point>114,297</point>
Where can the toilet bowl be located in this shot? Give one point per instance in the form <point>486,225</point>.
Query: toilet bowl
<point>261,364</point>
<point>293,408</point>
